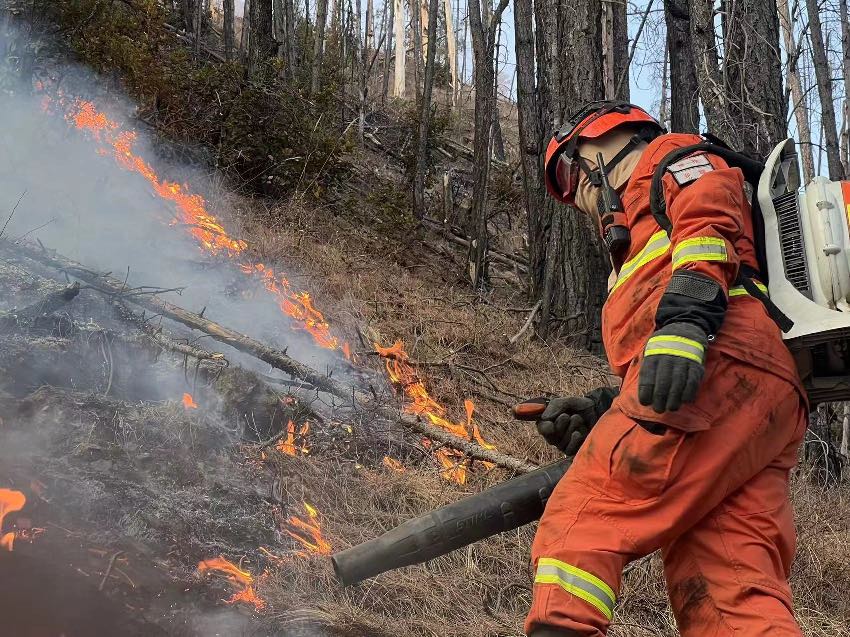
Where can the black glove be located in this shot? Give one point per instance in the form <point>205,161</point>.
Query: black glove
<point>566,421</point>
<point>673,366</point>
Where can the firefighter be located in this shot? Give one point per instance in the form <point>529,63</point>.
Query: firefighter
<point>692,454</point>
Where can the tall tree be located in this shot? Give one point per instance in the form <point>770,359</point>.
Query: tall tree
<point>451,49</point>
<point>845,70</point>
<point>753,71</point>
<point>799,100</point>
<point>745,104</point>
<point>229,28</point>
<point>318,44</point>
<point>684,90</point>
<point>261,43</point>
<point>425,113</point>
<point>620,49</point>
<point>559,68</point>
<point>483,24</point>
<point>416,28</point>
<point>823,77</point>
<point>400,51</point>
<point>388,46</point>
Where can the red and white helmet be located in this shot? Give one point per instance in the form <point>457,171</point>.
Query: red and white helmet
<point>592,121</point>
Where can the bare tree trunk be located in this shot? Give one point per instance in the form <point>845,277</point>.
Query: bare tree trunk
<point>289,36</point>
<point>568,269</point>
<point>498,143</point>
<point>531,138</point>
<point>620,27</point>
<point>799,102</point>
<point>684,91</point>
<point>369,40</point>
<point>423,23</point>
<point>609,79</point>
<point>845,431</point>
<point>745,104</point>
<point>451,49</point>
<point>261,44</point>
<point>425,113</point>
<point>197,27</point>
<point>229,28</point>
<point>664,108</point>
<point>823,75</point>
<point>245,36</point>
<point>389,17</point>
<point>416,27</point>
<point>318,45</point>
<point>463,44</point>
<point>710,81</point>
<point>483,44</point>
<point>400,49</point>
<point>360,56</point>
<point>845,70</point>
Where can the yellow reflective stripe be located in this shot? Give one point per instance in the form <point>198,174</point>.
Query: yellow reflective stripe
<point>678,339</point>
<point>675,346</point>
<point>740,290</point>
<point>577,582</point>
<point>657,245</point>
<point>673,352</point>
<point>699,249</point>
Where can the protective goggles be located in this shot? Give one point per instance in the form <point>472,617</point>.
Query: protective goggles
<point>568,173</point>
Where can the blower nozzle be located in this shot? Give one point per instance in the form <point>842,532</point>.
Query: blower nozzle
<point>505,507</point>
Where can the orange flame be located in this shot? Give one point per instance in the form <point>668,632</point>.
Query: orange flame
<point>237,577</point>
<point>212,238</point>
<point>403,374</point>
<point>288,446</point>
<point>308,532</point>
<point>189,402</point>
<point>10,502</point>
<point>193,215</point>
<point>393,464</point>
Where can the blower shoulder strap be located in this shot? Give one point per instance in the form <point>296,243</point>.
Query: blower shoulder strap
<point>752,170</point>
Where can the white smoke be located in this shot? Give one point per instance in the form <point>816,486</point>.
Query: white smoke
<point>90,209</point>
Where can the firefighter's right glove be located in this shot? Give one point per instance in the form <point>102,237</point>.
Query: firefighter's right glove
<point>566,422</point>
<point>673,366</point>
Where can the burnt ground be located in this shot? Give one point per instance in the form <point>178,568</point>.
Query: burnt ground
<point>117,471</point>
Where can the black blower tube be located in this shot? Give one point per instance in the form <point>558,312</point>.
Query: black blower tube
<point>505,507</point>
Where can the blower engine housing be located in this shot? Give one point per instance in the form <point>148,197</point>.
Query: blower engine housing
<point>807,241</point>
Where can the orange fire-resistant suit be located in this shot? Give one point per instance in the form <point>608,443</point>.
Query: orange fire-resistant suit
<point>707,484</point>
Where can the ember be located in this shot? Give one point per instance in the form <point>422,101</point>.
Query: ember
<point>237,577</point>
<point>289,446</point>
<point>10,502</point>
<point>189,402</point>
<point>308,533</point>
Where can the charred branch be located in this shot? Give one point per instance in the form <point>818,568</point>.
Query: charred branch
<point>276,358</point>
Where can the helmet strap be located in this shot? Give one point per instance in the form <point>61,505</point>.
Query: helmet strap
<point>645,134</point>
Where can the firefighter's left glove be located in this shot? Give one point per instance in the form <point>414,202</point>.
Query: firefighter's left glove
<point>673,366</point>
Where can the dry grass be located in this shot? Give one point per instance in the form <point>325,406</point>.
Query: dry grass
<point>385,284</point>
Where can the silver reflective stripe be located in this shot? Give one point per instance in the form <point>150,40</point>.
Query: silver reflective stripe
<point>657,245</point>
<point>699,249</point>
<point>675,346</point>
<point>579,583</point>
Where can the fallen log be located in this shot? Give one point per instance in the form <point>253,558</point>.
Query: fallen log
<point>276,358</point>
<point>118,289</point>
